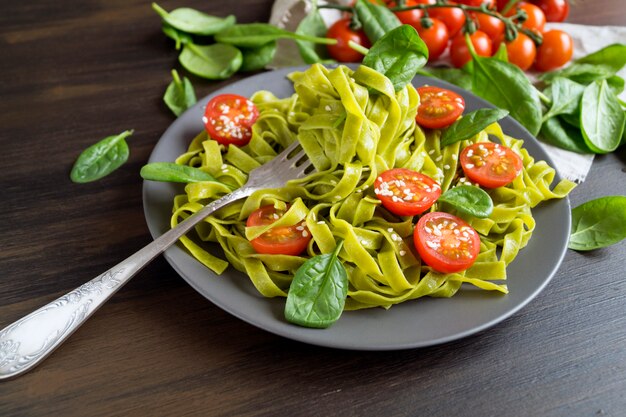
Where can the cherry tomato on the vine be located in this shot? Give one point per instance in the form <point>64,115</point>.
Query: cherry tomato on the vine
<point>283,240</point>
<point>228,119</point>
<point>435,37</point>
<point>491,25</point>
<point>536,19</point>
<point>438,107</point>
<point>477,3</point>
<point>490,164</point>
<point>342,31</point>
<point>555,51</point>
<point>452,17</point>
<point>459,52</point>
<point>521,51</point>
<point>405,192</point>
<point>555,10</point>
<point>445,242</point>
<point>410,17</point>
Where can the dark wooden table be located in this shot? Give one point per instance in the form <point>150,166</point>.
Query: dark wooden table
<point>72,72</point>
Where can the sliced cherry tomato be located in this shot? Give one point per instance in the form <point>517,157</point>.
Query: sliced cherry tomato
<point>445,242</point>
<point>460,54</point>
<point>405,192</point>
<point>284,240</point>
<point>452,17</point>
<point>492,26</point>
<point>435,37</point>
<point>555,50</point>
<point>536,19</point>
<point>342,31</point>
<point>228,119</point>
<point>555,10</point>
<point>438,107</point>
<point>521,51</point>
<point>490,164</point>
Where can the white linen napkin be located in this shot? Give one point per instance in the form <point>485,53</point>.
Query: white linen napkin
<point>587,39</point>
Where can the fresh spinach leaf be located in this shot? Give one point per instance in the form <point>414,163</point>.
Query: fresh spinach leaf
<point>507,87</point>
<point>101,158</point>
<point>469,199</point>
<point>398,55</point>
<point>471,124</point>
<point>612,56</point>
<point>312,25</point>
<point>254,35</point>
<point>179,95</point>
<point>565,95</point>
<point>171,172</point>
<point>318,292</point>
<point>598,223</point>
<point>616,83</point>
<point>377,20</point>
<point>181,38</point>
<point>563,135</point>
<point>581,73</point>
<point>193,21</point>
<point>454,76</point>
<point>214,62</point>
<point>255,59</point>
<point>601,118</point>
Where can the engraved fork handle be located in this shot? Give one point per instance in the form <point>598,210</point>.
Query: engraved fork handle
<point>28,341</point>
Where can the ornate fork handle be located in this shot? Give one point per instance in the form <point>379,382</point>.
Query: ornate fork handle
<point>26,342</point>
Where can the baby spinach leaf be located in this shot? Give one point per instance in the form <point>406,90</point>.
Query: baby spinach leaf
<point>565,95</point>
<point>180,37</point>
<point>505,85</point>
<point>456,76</point>
<point>563,135</point>
<point>214,62</point>
<point>179,95</point>
<point>318,292</point>
<point>616,83</point>
<point>471,124</point>
<point>255,59</point>
<point>612,56</point>
<point>101,158</point>
<point>470,200</point>
<point>377,20</point>
<point>312,25</point>
<point>193,21</point>
<point>171,172</point>
<point>601,118</point>
<point>581,73</point>
<point>253,35</point>
<point>598,223</point>
<point>398,55</point>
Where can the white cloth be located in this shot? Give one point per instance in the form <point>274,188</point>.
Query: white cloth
<point>587,39</point>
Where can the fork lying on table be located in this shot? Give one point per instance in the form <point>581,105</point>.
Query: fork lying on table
<point>27,342</point>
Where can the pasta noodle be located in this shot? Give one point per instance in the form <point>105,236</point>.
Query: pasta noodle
<point>353,125</point>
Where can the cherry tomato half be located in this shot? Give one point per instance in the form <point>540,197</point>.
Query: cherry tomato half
<point>438,107</point>
<point>445,242</point>
<point>490,164</point>
<point>555,10</point>
<point>460,54</point>
<point>435,37</point>
<point>405,192</point>
<point>536,19</point>
<point>452,17</point>
<point>228,119</point>
<point>555,50</point>
<point>342,31</point>
<point>284,240</point>
<point>521,51</point>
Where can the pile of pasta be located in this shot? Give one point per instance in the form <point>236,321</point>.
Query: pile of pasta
<point>353,126</point>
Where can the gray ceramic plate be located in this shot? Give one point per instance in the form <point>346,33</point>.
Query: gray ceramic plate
<point>418,323</point>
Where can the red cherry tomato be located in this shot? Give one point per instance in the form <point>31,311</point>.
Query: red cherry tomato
<point>342,31</point>
<point>438,107</point>
<point>228,119</point>
<point>436,37</point>
<point>536,19</point>
<point>459,53</point>
<point>284,240</point>
<point>555,10</point>
<point>521,51</point>
<point>406,193</point>
<point>555,51</point>
<point>445,242</point>
<point>492,26</point>
<point>477,3</point>
<point>452,17</point>
<point>490,164</point>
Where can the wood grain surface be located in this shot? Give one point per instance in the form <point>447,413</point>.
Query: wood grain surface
<point>73,72</point>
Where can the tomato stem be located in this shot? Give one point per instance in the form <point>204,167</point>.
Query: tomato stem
<point>359,48</point>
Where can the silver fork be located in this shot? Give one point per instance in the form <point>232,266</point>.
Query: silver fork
<point>27,342</point>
